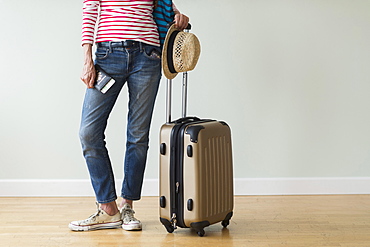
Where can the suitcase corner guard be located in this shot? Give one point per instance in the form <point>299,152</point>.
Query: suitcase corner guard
<point>167,224</point>
<point>193,131</point>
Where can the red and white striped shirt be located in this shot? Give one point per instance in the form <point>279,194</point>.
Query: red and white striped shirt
<point>119,20</point>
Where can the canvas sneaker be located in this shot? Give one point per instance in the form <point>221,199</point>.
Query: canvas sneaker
<point>130,223</point>
<point>99,220</point>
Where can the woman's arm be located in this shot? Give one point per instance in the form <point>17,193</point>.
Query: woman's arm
<point>90,15</point>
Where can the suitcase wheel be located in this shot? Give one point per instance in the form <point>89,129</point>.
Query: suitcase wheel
<point>199,227</point>
<point>169,229</point>
<point>201,233</point>
<point>167,224</point>
<point>226,221</point>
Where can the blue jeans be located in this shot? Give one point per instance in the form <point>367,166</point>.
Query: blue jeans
<point>139,65</point>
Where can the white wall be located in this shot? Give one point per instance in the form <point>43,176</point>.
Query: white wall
<point>291,77</point>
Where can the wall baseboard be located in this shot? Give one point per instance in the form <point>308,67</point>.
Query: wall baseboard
<point>242,186</point>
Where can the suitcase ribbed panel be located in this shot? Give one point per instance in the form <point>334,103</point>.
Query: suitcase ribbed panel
<point>218,187</point>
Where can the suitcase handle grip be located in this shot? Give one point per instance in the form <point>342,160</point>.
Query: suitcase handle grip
<point>187,119</point>
<point>171,23</point>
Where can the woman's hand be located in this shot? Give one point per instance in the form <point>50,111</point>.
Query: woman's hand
<point>88,72</point>
<point>181,21</point>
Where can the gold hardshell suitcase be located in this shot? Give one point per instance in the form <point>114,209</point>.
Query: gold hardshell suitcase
<point>196,171</point>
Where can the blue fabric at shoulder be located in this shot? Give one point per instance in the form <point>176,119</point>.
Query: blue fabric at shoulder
<point>163,14</point>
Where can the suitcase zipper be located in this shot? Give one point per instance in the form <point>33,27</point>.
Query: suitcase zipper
<point>176,169</point>
<point>174,216</point>
<point>177,187</point>
<point>174,221</point>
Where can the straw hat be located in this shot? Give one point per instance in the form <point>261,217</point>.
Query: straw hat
<point>180,53</point>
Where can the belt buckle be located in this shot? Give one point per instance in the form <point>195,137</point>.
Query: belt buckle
<point>128,43</point>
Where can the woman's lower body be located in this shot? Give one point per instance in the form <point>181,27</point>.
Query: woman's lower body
<point>139,66</point>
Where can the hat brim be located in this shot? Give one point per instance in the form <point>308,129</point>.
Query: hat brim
<point>166,71</point>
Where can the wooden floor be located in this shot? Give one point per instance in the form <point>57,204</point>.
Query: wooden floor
<point>258,221</point>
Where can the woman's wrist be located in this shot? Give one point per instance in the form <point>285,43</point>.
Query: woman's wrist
<point>87,53</point>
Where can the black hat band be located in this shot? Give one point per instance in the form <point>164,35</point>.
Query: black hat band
<point>171,42</point>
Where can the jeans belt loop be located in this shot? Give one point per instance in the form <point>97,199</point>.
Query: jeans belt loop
<point>110,47</point>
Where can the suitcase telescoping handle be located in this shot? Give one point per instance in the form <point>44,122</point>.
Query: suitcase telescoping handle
<point>184,90</point>
<point>184,98</point>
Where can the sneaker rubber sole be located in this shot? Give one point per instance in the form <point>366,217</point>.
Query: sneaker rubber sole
<point>132,227</point>
<point>108,225</point>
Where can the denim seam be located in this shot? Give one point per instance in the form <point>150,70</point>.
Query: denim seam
<point>130,198</point>
<point>109,200</point>
<point>127,62</point>
<point>109,166</point>
<point>107,51</point>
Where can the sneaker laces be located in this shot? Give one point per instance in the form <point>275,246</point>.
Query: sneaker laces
<point>93,216</point>
<point>128,215</point>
